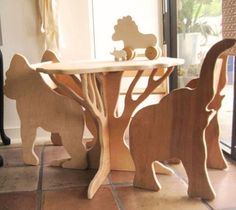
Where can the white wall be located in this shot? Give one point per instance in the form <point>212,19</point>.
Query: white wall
<point>147,15</point>
<point>21,34</point>
<point>76,28</point>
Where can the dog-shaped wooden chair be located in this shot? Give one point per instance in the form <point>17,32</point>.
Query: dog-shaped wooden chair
<point>39,106</point>
<point>175,128</point>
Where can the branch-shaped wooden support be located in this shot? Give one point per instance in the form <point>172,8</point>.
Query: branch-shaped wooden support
<point>111,85</point>
<point>97,90</point>
<point>94,102</point>
<point>119,124</point>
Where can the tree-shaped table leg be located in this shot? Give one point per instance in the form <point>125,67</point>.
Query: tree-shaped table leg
<point>99,96</point>
<point>94,101</point>
<point>96,104</point>
<point>118,125</point>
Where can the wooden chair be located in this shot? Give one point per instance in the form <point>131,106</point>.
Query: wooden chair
<point>175,127</point>
<point>215,157</point>
<point>40,106</point>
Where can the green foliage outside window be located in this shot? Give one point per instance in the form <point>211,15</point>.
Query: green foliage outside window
<point>190,11</point>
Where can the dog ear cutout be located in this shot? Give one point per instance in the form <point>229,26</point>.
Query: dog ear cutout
<point>19,63</point>
<point>49,56</point>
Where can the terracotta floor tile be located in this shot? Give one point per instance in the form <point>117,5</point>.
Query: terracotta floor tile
<point>19,179</point>
<point>119,177</point>
<point>54,153</point>
<point>13,156</point>
<point>57,178</point>
<point>66,189</point>
<point>173,195</point>
<point>76,199</point>
<point>179,170</point>
<point>232,166</point>
<point>224,184</point>
<point>18,201</point>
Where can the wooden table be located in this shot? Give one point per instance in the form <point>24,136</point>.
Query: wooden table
<point>98,91</point>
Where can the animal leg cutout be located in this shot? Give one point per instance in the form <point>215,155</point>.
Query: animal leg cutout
<point>28,137</point>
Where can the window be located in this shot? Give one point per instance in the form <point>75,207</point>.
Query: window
<point>147,15</point>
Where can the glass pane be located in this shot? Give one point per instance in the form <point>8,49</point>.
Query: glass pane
<point>199,27</point>
<point>226,111</point>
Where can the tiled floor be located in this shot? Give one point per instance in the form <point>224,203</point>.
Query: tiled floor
<point>47,188</point>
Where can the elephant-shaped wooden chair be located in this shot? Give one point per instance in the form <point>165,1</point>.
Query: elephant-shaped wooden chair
<point>175,128</point>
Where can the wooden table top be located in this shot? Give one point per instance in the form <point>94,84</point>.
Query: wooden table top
<point>96,66</point>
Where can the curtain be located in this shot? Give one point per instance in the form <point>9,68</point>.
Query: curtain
<point>229,21</point>
<point>49,24</point>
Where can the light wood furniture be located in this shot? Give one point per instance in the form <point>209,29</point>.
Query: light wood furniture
<point>126,30</point>
<point>215,157</point>
<point>98,84</point>
<point>175,128</point>
<point>39,106</point>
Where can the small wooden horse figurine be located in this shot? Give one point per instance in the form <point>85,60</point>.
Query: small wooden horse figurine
<point>175,128</point>
<point>39,106</point>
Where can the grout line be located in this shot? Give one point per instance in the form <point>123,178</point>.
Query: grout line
<point>40,182</point>
<point>123,184</point>
<point>186,182</point>
<point>115,195</point>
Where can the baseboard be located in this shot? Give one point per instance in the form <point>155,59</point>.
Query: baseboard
<point>14,135</point>
<point>41,137</point>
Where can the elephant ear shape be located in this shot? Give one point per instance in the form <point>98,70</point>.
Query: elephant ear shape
<point>49,55</point>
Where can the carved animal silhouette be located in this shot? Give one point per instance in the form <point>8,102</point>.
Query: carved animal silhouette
<point>127,31</point>
<point>39,106</point>
<point>175,128</point>
<point>215,157</point>
<point>119,55</point>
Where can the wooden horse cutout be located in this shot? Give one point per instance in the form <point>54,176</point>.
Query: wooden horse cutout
<point>175,128</point>
<point>39,106</point>
<point>127,31</point>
